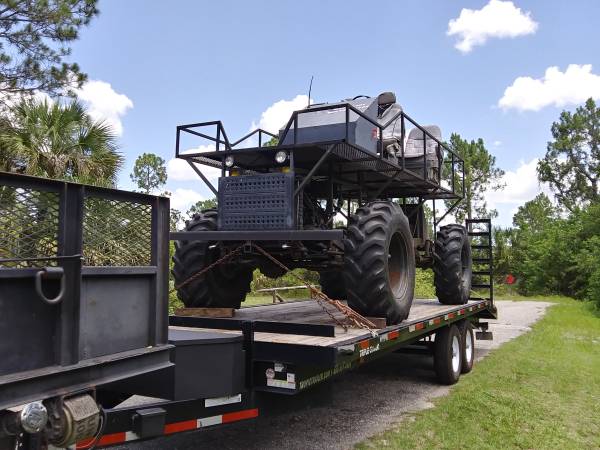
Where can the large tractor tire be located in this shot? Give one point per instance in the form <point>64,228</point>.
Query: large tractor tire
<point>223,286</point>
<point>380,262</point>
<point>333,284</point>
<point>452,265</point>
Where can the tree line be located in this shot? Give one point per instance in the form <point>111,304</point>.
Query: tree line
<point>551,247</point>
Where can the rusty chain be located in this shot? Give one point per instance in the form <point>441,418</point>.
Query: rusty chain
<point>352,316</point>
<point>207,268</point>
<point>316,294</point>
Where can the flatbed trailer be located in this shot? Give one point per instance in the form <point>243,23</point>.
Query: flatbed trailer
<point>288,348</point>
<point>84,303</point>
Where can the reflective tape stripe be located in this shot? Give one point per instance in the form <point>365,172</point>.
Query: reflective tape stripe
<point>178,427</point>
<point>171,428</point>
<point>240,415</point>
<point>209,421</point>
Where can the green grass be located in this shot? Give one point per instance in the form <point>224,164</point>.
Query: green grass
<point>539,391</point>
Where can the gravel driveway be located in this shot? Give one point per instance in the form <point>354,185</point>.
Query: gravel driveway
<point>357,405</point>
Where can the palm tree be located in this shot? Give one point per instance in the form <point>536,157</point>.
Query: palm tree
<point>61,142</point>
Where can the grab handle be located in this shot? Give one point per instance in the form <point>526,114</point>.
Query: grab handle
<point>50,273</point>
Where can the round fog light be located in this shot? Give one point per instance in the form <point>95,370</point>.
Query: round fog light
<point>280,157</point>
<point>229,161</point>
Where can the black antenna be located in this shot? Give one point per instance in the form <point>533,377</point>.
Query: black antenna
<point>310,89</point>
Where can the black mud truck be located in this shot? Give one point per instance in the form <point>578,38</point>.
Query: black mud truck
<point>340,190</point>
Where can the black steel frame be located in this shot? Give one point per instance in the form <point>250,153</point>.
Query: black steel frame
<point>70,370</point>
<point>434,189</point>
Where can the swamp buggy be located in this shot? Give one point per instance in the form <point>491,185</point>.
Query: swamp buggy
<point>352,160</point>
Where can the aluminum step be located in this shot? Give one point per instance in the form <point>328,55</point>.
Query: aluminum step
<point>479,233</point>
<point>481,260</point>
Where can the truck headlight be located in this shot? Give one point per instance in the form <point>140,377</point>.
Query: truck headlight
<point>280,157</point>
<point>229,161</point>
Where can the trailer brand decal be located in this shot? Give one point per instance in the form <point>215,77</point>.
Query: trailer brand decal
<point>367,347</point>
<point>186,425</point>
<point>324,375</point>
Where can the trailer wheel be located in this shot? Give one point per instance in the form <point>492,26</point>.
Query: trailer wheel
<point>447,354</point>
<point>452,265</point>
<point>380,262</point>
<point>223,286</point>
<point>467,346</point>
<point>333,284</point>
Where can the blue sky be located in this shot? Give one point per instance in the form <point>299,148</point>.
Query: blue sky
<point>156,64</point>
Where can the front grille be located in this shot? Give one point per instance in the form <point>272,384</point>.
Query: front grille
<point>256,202</point>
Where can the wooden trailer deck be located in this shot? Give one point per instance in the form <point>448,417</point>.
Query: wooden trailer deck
<point>310,312</point>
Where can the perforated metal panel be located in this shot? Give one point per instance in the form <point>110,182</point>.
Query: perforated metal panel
<point>116,232</point>
<point>256,202</point>
<point>28,226</point>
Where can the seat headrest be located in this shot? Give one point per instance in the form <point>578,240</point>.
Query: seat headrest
<point>385,98</point>
<point>434,130</point>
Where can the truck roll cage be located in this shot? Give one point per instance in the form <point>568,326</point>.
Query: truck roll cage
<point>362,174</point>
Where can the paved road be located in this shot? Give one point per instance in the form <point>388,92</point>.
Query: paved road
<point>357,405</point>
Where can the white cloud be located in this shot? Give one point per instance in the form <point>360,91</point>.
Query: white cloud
<point>276,116</point>
<point>180,170</point>
<point>522,185</point>
<point>182,199</point>
<point>104,103</point>
<point>497,19</point>
<point>497,143</point>
<point>573,86</point>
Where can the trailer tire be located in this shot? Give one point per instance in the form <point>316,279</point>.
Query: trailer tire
<point>379,259</point>
<point>219,287</point>
<point>447,354</point>
<point>467,346</point>
<point>333,284</point>
<point>452,265</point>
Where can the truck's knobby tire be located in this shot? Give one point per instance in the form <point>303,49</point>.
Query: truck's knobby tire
<point>452,265</point>
<point>447,354</point>
<point>467,340</point>
<point>333,284</point>
<point>222,286</point>
<point>379,259</point>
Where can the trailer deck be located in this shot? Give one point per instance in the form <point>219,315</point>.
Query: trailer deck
<point>288,348</point>
<point>292,343</point>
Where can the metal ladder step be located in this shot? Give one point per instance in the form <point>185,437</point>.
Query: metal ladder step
<point>482,272</point>
<point>481,260</point>
<point>480,286</point>
<point>479,233</point>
